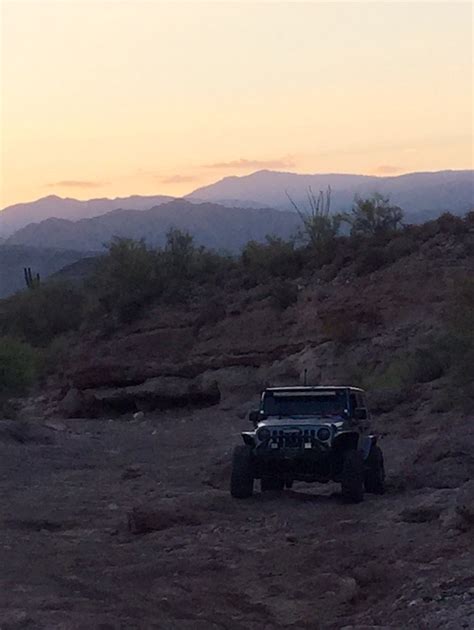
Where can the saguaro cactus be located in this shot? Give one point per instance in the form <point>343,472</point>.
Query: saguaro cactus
<point>31,281</point>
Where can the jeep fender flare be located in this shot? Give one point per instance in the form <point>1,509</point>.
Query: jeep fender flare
<point>249,438</point>
<point>365,444</point>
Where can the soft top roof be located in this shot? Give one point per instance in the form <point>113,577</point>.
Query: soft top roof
<point>310,388</point>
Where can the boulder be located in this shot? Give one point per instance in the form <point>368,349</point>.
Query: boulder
<point>72,404</point>
<point>162,392</point>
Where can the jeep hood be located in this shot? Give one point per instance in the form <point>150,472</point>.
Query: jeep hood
<point>276,421</point>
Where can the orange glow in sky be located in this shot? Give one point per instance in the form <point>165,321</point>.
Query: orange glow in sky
<point>117,98</point>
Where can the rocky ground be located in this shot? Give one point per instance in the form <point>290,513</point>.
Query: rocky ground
<point>72,492</point>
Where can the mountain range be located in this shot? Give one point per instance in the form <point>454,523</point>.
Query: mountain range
<point>13,218</point>
<point>421,195</point>
<point>212,225</point>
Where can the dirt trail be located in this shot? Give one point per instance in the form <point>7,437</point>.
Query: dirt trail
<point>300,560</point>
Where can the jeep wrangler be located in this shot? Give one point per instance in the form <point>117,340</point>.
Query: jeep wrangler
<point>312,434</point>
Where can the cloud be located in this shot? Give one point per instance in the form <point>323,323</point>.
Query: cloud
<point>77,183</point>
<point>243,163</point>
<point>386,169</point>
<point>176,179</point>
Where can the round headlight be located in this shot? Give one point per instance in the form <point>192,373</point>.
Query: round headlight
<point>323,434</point>
<point>263,434</point>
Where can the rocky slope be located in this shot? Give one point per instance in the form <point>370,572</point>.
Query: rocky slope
<point>337,329</point>
<point>116,487</point>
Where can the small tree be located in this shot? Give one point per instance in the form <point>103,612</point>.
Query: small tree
<point>180,252</point>
<point>320,228</point>
<point>127,278</point>
<point>374,216</point>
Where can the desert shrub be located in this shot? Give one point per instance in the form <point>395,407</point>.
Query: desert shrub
<point>400,246</point>
<point>425,364</point>
<point>39,314</point>
<point>370,260</point>
<point>284,294</point>
<point>319,227</point>
<point>18,367</point>
<point>373,216</point>
<point>132,275</point>
<point>126,278</point>
<point>451,224</point>
<point>179,255</point>
<point>274,258</point>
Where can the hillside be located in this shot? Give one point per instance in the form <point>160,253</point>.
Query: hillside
<point>145,497</point>
<point>17,216</point>
<point>422,195</point>
<point>45,261</point>
<point>211,224</point>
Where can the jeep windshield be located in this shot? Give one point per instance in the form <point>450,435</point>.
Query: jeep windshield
<point>311,403</point>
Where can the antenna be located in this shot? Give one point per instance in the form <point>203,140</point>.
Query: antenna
<point>305,381</point>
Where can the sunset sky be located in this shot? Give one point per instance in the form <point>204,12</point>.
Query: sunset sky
<point>117,98</point>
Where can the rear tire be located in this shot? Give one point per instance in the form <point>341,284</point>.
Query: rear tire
<point>352,482</point>
<point>271,484</point>
<point>374,478</point>
<point>241,480</point>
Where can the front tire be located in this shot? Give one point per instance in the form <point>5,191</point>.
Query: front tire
<point>352,482</point>
<point>241,480</point>
<point>374,480</point>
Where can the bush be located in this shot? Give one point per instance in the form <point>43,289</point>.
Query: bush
<point>131,275</point>
<point>38,315</point>
<point>126,278</point>
<point>18,367</point>
<point>373,216</point>
<point>370,260</point>
<point>275,258</point>
<point>320,228</point>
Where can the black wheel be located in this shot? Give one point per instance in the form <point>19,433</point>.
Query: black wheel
<point>374,477</point>
<point>267,484</point>
<point>241,480</point>
<point>352,482</point>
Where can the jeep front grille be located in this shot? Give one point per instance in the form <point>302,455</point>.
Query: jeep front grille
<point>293,439</point>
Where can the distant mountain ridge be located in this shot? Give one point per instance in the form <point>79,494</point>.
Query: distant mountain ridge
<point>212,225</point>
<point>421,195</point>
<point>15,217</point>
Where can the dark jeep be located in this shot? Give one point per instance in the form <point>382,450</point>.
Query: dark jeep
<point>309,434</point>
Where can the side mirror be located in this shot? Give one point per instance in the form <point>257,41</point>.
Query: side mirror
<point>360,413</point>
<point>254,416</point>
